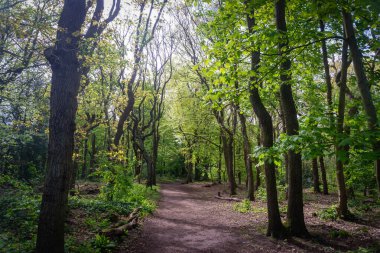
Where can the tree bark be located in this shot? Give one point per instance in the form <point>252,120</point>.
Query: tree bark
<point>295,213</point>
<point>85,152</point>
<point>66,76</point>
<point>316,183</point>
<point>220,159</point>
<point>138,163</point>
<point>323,174</point>
<point>329,101</point>
<point>189,165</point>
<point>275,226</point>
<point>93,153</point>
<point>247,159</point>
<point>363,85</point>
<point>327,75</point>
<point>258,168</point>
<point>340,150</point>
<point>227,141</point>
<point>156,140</point>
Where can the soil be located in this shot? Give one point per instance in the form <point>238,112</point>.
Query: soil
<point>190,219</point>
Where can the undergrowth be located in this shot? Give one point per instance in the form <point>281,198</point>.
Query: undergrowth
<point>243,207</point>
<point>329,213</point>
<point>19,211</point>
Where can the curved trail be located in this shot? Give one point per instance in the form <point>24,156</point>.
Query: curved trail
<point>190,219</point>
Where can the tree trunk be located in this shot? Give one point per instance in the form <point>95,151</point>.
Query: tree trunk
<point>247,159</point>
<point>275,227</point>
<point>315,176</point>
<point>363,84</point>
<point>285,155</point>
<point>327,75</point>
<point>66,76</point>
<point>156,140</point>
<point>340,150</point>
<point>295,213</point>
<point>220,160</point>
<point>93,153</point>
<point>227,141</point>
<point>149,165</point>
<point>189,165</point>
<point>84,164</point>
<point>258,168</point>
<point>138,162</point>
<point>324,178</point>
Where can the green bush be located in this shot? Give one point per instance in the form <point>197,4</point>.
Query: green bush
<point>243,207</point>
<point>141,196</point>
<point>19,209</point>
<point>372,249</point>
<point>339,234</point>
<point>100,206</point>
<point>103,243</point>
<point>329,213</point>
<point>261,194</point>
<point>96,223</point>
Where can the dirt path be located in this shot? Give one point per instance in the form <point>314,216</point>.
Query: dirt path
<point>189,219</point>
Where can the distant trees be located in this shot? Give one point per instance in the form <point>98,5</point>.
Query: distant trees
<point>235,47</point>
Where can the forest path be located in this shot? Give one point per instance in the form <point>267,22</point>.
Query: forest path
<point>190,219</point>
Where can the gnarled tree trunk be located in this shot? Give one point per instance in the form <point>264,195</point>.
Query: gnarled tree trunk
<point>66,75</point>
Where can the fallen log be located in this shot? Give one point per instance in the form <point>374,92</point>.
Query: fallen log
<point>121,227</point>
<point>227,198</point>
<point>209,185</point>
<point>119,231</point>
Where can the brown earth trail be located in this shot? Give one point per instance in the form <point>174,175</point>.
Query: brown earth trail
<point>190,219</point>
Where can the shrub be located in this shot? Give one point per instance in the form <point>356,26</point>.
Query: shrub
<point>103,243</point>
<point>97,223</point>
<point>243,207</point>
<point>329,213</point>
<point>339,234</point>
<point>19,209</point>
<point>100,206</point>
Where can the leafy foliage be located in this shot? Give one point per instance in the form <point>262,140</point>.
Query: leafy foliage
<point>330,213</point>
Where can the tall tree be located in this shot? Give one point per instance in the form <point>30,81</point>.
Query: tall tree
<point>340,150</point>
<point>316,183</point>
<point>247,158</point>
<point>66,77</point>
<point>295,213</point>
<point>275,226</point>
<point>323,174</point>
<point>143,36</point>
<point>363,84</point>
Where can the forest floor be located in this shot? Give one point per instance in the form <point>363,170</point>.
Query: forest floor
<point>190,219</point>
